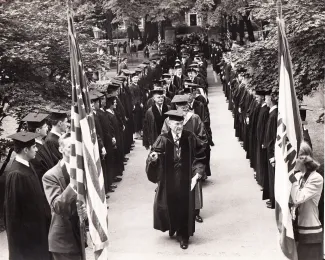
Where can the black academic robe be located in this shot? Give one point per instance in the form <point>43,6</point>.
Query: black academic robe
<point>108,134</point>
<point>52,145</point>
<point>118,151</point>
<point>174,201</point>
<point>253,120</point>
<point>137,109</point>
<point>261,155</point>
<point>153,123</point>
<point>100,140</point>
<point>269,143</point>
<point>42,161</point>
<point>25,218</point>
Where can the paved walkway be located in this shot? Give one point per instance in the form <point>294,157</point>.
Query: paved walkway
<point>237,225</point>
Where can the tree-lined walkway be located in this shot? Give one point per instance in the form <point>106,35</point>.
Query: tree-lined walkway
<point>237,224</point>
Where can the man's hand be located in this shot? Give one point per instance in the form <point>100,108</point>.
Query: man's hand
<point>148,147</point>
<point>239,110</point>
<point>154,156</point>
<point>103,151</point>
<point>141,105</point>
<point>114,141</point>
<point>263,147</point>
<point>123,127</point>
<point>272,161</point>
<point>247,120</point>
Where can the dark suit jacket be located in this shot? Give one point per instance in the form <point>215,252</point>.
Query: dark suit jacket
<point>62,200</point>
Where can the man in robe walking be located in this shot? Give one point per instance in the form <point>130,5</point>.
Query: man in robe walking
<point>175,158</point>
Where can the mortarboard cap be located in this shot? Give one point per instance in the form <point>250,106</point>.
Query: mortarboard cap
<point>260,92</point>
<point>58,114</point>
<point>166,76</point>
<point>267,92</point>
<point>138,70</point>
<point>35,120</point>
<point>158,91</point>
<point>111,95</point>
<point>178,66</point>
<point>95,95</point>
<point>180,99</point>
<point>146,62</point>
<point>23,139</point>
<point>188,90</point>
<point>113,86</point>
<point>175,115</point>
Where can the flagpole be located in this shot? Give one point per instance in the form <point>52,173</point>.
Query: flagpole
<point>81,220</point>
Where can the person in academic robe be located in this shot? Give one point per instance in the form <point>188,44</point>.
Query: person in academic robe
<point>109,141</point>
<point>179,78</point>
<point>169,86</point>
<point>117,131</point>
<point>59,122</point>
<point>192,123</point>
<point>95,97</point>
<point>261,154</point>
<point>64,236</point>
<point>176,157</point>
<point>251,120</point>
<point>137,106</point>
<point>154,118</point>
<point>25,216</point>
<point>151,100</point>
<point>269,143</point>
<point>36,123</point>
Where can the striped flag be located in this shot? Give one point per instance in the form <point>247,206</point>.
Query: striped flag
<point>85,167</point>
<point>289,137</point>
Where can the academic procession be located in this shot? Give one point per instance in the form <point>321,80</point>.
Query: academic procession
<point>173,157</point>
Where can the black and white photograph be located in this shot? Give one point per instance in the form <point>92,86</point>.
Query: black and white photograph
<point>162,129</point>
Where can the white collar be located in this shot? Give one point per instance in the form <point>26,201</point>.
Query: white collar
<point>192,103</point>
<point>38,141</point>
<point>110,111</point>
<point>264,104</point>
<point>174,135</point>
<point>187,117</point>
<point>67,165</point>
<point>272,108</point>
<point>159,106</point>
<point>55,132</point>
<point>21,160</point>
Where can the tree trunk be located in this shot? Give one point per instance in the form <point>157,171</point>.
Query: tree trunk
<point>249,26</point>
<point>109,29</point>
<point>145,31</point>
<point>241,30</point>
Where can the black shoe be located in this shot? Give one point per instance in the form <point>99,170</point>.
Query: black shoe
<point>171,233</point>
<point>184,243</point>
<point>113,186</point>
<point>111,190</point>
<point>198,219</point>
<point>117,179</point>
<point>125,159</point>
<point>107,196</point>
<point>270,206</point>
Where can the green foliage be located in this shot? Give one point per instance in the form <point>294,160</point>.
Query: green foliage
<point>34,51</point>
<point>306,35</point>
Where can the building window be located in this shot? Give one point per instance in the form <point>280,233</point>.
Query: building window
<point>193,19</point>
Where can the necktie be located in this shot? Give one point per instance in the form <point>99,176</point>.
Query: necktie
<point>176,141</point>
<point>160,110</point>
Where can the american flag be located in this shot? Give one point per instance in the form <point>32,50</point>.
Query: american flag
<point>85,167</point>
